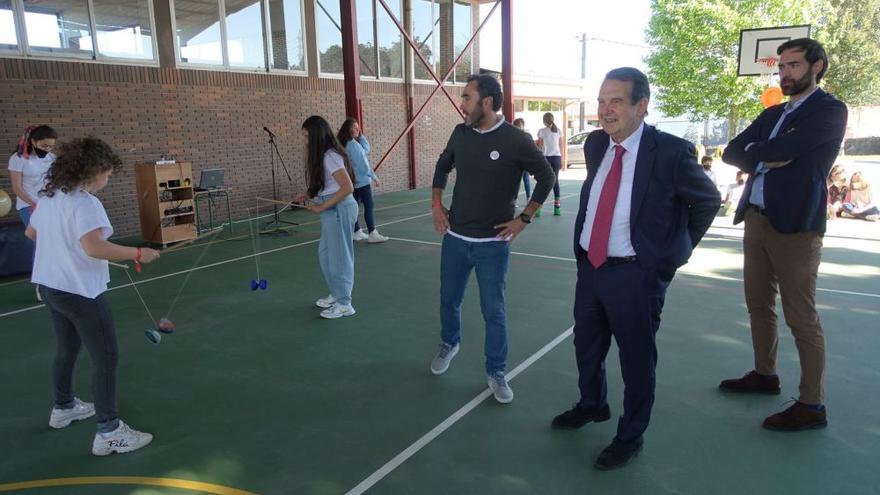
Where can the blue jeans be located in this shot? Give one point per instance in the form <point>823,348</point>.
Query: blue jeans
<point>25,215</point>
<point>365,195</point>
<point>335,252</point>
<point>78,320</point>
<point>527,185</point>
<point>490,260</point>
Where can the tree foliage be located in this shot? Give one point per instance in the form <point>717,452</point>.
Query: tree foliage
<point>693,62</point>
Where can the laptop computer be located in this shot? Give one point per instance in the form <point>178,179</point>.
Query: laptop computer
<point>210,178</point>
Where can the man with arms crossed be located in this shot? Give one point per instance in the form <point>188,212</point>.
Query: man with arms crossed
<point>788,152</point>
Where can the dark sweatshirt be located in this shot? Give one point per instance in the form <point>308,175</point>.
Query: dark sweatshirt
<point>489,168</point>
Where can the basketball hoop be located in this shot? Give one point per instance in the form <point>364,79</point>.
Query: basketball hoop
<point>772,94</point>
<point>767,67</point>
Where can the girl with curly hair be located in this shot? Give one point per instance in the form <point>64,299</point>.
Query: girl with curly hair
<point>329,176</point>
<point>71,228</point>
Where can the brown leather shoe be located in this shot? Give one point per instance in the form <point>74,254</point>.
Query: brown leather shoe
<point>752,383</point>
<point>796,418</point>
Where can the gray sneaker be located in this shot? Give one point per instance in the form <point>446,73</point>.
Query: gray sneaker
<point>440,363</point>
<point>61,418</point>
<point>500,388</point>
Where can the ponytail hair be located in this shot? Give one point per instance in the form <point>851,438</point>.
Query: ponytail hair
<point>33,133</point>
<point>548,121</point>
<point>344,134</point>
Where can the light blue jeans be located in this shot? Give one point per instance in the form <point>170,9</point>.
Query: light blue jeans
<point>490,261</point>
<point>335,251</point>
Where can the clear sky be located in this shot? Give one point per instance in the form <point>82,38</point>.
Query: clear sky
<point>546,36</point>
<point>547,32</point>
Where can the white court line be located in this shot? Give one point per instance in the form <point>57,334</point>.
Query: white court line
<point>427,438</point>
<point>431,243</point>
<point>680,272</point>
<point>203,267</point>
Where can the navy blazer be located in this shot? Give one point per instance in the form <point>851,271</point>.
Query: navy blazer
<point>673,200</point>
<point>795,195</point>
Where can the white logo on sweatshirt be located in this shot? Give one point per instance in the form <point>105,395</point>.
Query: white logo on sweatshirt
<point>494,155</point>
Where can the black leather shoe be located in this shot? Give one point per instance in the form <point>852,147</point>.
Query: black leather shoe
<point>752,383</point>
<point>618,454</point>
<point>578,416</point>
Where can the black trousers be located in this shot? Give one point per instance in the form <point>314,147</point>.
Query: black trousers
<point>624,300</point>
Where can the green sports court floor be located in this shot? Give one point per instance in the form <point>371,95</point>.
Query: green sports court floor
<point>255,393</point>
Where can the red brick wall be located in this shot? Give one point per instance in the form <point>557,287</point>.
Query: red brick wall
<point>212,119</point>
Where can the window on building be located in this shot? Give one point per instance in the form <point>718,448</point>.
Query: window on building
<point>124,29</point>
<point>389,40</point>
<point>198,32</point>
<point>241,34</point>
<point>366,38</point>
<point>329,36</point>
<point>462,25</point>
<point>426,18</point>
<point>58,27</point>
<point>244,34</point>
<point>8,38</point>
<point>287,35</point>
<point>93,29</point>
<point>445,27</point>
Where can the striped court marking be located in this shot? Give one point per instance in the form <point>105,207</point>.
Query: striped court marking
<point>196,486</point>
<point>427,438</point>
<point>204,267</point>
<point>690,274</point>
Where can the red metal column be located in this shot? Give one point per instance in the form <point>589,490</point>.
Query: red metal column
<point>507,58</point>
<point>350,59</point>
<point>439,86</point>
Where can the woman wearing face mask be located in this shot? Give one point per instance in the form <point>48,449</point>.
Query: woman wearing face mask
<point>28,167</point>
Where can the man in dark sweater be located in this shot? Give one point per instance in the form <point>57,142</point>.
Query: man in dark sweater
<point>489,156</point>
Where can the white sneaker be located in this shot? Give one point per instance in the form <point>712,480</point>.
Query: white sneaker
<point>360,235</point>
<point>326,302</point>
<point>502,391</point>
<point>61,418</point>
<point>375,237</point>
<point>121,440</point>
<point>441,361</point>
<point>337,311</point>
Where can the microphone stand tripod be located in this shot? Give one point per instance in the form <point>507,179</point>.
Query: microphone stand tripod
<point>276,222</point>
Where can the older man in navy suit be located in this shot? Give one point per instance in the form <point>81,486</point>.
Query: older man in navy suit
<point>788,152</point>
<point>645,205</point>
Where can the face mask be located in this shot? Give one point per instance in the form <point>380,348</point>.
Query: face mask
<point>40,153</point>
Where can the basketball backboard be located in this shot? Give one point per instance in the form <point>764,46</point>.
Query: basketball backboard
<point>755,45</point>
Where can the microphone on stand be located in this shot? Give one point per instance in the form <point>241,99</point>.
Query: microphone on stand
<point>271,134</point>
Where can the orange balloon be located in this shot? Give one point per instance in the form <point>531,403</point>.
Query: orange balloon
<point>771,96</point>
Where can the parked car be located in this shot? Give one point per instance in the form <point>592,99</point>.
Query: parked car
<point>575,147</point>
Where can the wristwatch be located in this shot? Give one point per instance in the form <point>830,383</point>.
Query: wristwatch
<point>525,218</point>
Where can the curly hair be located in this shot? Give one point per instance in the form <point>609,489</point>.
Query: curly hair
<point>79,161</point>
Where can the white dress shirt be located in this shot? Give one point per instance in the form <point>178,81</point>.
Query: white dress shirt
<point>619,243</point>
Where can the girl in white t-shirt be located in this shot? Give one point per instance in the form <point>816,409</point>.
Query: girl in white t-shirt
<point>550,141</point>
<point>329,176</point>
<point>27,170</point>
<point>70,228</point>
<point>28,167</point>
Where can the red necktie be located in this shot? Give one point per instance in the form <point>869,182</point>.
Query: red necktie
<point>598,249</point>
